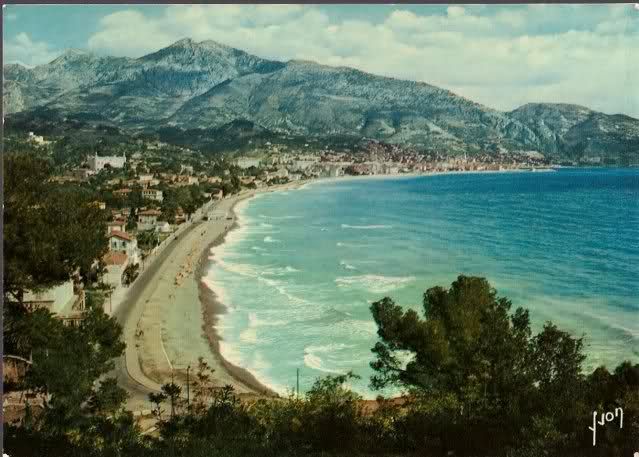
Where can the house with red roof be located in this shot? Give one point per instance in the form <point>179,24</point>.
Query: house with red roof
<point>124,243</point>
<point>118,225</point>
<point>147,219</point>
<point>115,263</point>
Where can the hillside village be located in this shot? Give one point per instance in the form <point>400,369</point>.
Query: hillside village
<point>154,188</point>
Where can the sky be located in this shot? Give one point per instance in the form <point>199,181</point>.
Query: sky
<point>500,55</point>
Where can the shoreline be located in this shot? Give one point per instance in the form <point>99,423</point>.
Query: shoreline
<point>209,300</point>
<point>212,307</point>
<point>389,176</point>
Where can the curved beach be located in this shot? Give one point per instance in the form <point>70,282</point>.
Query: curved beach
<point>300,276</point>
<point>174,314</point>
<point>183,320</point>
<point>213,308</point>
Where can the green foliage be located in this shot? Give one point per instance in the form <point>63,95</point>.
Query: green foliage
<point>467,344</point>
<point>67,361</point>
<point>157,398</point>
<point>189,198</point>
<point>108,399</point>
<point>50,231</point>
<point>95,298</point>
<point>471,365</point>
<point>232,185</point>
<point>130,273</point>
<point>464,397</point>
<point>172,391</point>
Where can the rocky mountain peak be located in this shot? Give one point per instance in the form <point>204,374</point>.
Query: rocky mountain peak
<point>184,42</point>
<point>207,84</point>
<point>72,54</point>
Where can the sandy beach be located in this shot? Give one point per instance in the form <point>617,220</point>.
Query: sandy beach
<point>160,346</point>
<point>171,316</point>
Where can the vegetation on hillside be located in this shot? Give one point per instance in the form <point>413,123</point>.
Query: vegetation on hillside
<point>478,382</point>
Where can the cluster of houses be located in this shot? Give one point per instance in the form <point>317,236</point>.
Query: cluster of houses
<point>262,169</point>
<point>381,158</point>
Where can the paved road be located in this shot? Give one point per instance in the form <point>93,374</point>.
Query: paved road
<point>127,367</point>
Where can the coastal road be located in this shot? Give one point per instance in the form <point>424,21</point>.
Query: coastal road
<point>144,295</point>
<point>127,369</point>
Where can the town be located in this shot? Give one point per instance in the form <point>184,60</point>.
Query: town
<point>152,191</point>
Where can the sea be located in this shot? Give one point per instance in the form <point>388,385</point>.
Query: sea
<point>300,273</point>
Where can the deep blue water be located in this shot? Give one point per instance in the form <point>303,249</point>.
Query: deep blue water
<point>301,272</point>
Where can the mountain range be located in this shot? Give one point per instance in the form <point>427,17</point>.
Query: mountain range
<point>205,85</point>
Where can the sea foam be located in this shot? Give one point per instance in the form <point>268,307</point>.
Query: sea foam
<point>366,227</point>
<point>374,283</point>
<point>347,265</point>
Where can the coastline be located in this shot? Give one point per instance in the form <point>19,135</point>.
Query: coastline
<point>210,300</point>
<point>212,307</point>
<point>392,176</point>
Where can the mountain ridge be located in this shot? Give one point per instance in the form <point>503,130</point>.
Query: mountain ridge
<point>208,84</point>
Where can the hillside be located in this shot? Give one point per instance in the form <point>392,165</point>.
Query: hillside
<point>207,85</point>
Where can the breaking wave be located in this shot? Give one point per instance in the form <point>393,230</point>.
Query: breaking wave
<point>366,227</point>
<point>374,283</point>
<point>341,244</point>
<point>279,217</point>
<point>347,265</point>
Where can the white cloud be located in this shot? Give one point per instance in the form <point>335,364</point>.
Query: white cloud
<point>21,49</point>
<point>496,56</point>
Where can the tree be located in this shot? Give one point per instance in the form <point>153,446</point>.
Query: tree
<point>203,386</point>
<point>148,240</point>
<point>556,360</point>
<point>172,391</point>
<point>50,231</point>
<point>108,399</point>
<point>333,412</point>
<point>471,349</point>
<point>465,335</point>
<point>67,362</point>
<point>157,399</point>
<point>131,273</point>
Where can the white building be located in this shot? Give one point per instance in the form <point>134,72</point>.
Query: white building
<point>37,139</point>
<point>280,173</point>
<point>153,194</point>
<point>123,242</point>
<point>247,162</point>
<point>116,263</point>
<point>98,163</point>
<point>147,220</point>
<point>147,180</point>
<point>118,225</point>
<point>302,165</point>
<point>186,168</point>
<point>163,227</point>
<point>62,301</point>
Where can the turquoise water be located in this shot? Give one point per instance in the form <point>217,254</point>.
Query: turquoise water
<point>299,275</point>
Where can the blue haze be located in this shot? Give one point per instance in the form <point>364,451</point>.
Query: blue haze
<point>300,274</point>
